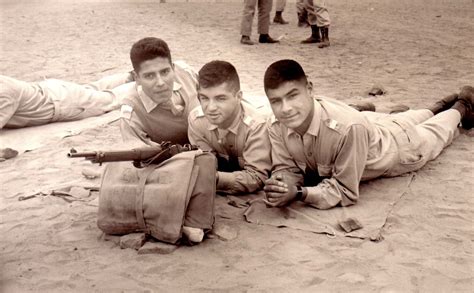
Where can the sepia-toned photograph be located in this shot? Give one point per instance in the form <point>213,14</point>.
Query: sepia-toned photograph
<point>236,146</point>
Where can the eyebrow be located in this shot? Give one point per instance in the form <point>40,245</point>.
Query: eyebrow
<point>291,92</point>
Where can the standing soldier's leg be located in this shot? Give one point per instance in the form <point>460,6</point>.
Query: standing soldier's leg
<point>312,20</point>
<point>280,7</point>
<point>247,19</point>
<point>302,13</point>
<point>318,17</point>
<point>264,10</point>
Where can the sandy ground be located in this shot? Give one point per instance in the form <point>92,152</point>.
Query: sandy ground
<point>417,50</point>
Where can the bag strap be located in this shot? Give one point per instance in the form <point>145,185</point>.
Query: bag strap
<point>140,195</point>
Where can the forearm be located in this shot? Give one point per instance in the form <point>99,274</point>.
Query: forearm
<point>327,194</point>
<point>240,182</point>
<point>292,175</point>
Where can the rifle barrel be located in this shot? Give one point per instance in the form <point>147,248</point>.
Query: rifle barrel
<point>81,155</point>
<point>138,154</point>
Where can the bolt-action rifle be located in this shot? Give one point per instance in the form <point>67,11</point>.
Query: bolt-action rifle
<point>141,157</point>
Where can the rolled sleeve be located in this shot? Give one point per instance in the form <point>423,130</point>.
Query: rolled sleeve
<point>343,187</point>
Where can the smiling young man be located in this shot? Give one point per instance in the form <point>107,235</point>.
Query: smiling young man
<point>157,106</point>
<point>324,137</point>
<point>234,131</point>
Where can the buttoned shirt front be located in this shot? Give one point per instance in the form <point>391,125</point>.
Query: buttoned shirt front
<point>146,122</point>
<point>246,139</point>
<point>341,144</point>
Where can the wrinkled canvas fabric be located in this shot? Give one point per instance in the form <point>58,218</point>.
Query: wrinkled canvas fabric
<point>159,199</point>
<point>377,199</point>
<point>31,138</point>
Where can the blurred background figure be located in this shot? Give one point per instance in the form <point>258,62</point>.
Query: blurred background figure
<point>280,7</point>
<point>318,18</point>
<point>302,13</point>
<point>264,9</point>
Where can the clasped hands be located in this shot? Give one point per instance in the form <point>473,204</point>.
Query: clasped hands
<point>279,193</point>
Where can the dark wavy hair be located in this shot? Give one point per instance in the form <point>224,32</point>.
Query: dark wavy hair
<point>283,71</point>
<point>218,72</point>
<point>148,49</point>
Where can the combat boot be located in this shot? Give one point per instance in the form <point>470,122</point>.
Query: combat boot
<point>444,104</point>
<point>324,37</point>
<point>265,38</point>
<point>363,106</point>
<point>314,38</point>
<point>279,18</point>
<point>245,40</point>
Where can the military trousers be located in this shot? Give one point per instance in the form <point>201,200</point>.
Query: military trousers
<point>317,13</point>
<point>50,100</point>
<point>418,136</point>
<point>264,9</point>
<point>280,5</point>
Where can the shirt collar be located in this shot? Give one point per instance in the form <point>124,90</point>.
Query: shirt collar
<point>149,104</point>
<point>234,126</point>
<point>313,128</point>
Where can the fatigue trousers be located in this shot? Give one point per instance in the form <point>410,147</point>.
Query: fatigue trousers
<point>264,9</point>
<point>280,5</point>
<point>300,7</point>
<point>418,135</point>
<point>53,100</point>
<point>317,13</point>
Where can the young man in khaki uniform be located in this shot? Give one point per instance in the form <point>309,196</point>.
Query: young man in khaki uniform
<point>324,137</point>
<point>156,107</point>
<point>234,131</point>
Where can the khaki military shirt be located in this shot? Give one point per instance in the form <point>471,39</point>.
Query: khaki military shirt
<point>246,139</point>
<point>341,144</point>
<point>144,122</point>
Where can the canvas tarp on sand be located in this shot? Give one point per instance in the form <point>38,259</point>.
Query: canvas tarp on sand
<point>30,138</point>
<point>377,198</point>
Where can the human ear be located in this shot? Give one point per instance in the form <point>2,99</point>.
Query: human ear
<point>238,95</point>
<point>309,87</point>
<point>136,77</point>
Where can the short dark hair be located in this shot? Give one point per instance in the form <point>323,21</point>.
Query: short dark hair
<point>283,71</point>
<point>148,49</point>
<point>218,72</point>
